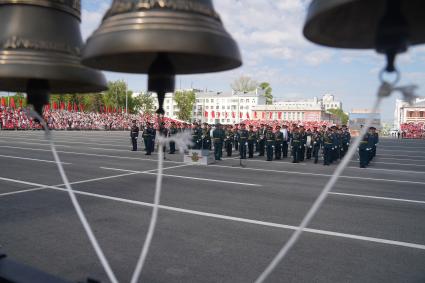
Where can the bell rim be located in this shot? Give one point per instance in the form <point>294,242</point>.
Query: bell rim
<point>64,7</point>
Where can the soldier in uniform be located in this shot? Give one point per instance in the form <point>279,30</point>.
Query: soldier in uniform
<point>270,141</point>
<point>236,137</point>
<point>375,141</point>
<point>163,131</point>
<point>327,147</point>
<point>228,140</point>
<point>149,138</point>
<point>242,139</point>
<point>218,138</point>
<point>364,150</point>
<point>173,131</point>
<point>286,138</point>
<point>196,136</point>
<point>309,144</point>
<point>206,137</point>
<point>295,144</point>
<point>209,133</point>
<point>346,139</point>
<point>303,142</point>
<point>278,143</point>
<point>261,139</point>
<point>252,136</point>
<point>316,138</point>
<point>134,134</point>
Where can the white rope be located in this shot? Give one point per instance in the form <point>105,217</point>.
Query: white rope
<point>76,204</point>
<point>320,199</point>
<point>182,140</point>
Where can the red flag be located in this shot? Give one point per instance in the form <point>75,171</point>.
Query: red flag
<point>110,109</point>
<point>81,107</point>
<point>263,115</point>
<point>12,103</point>
<point>69,106</point>
<point>3,102</point>
<point>20,102</point>
<point>226,114</point>
<point>75,107</point>
<point>218,115</point>
<point>55,105</point>
<point>240,115</point>
<point>206,114</point>
<point>213,114</point>
<point>233,115</point>
<point>247,115</point>
<point>48,106</point>
<point>279,115</point>
<point>271,115</point>
<point>62,106</point>
<point>255,114</point>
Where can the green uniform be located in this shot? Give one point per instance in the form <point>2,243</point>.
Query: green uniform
<point>218,138</point>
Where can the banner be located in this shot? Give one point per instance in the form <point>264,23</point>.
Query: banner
<point>213,114</point>
<point>196,157</point>
<point>206,114</point>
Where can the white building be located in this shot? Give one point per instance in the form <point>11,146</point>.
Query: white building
<point>325,103</point>
<point>409,113</point>
<point>216,107</point>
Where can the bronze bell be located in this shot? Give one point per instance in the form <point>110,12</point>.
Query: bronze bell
<point>388,26</point>
<point>161,38</point>
<point>40,50</point>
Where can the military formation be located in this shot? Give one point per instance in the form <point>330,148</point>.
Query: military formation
<point>274,143</point>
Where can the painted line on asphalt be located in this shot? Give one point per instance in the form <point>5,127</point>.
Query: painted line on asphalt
<point>33,143</point>
<point>186,177</point>
<point>320,175</point>
<point>376,197</point>
<point>43,187</point>
<point>56,140</point>
<point>389,170</point>
<point>32,159</point>
<point>393,163</point>
<point>246,220</point>
<point>90,154</point>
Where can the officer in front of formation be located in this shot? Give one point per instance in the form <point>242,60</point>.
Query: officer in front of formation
<point>218,138</point>
<point>316,138</point>
<point>173,131</point>
<point>134,134</point>
<point>242,139</point>
<point>270,140</point>
<point>373,142</point>
<point>327,147</point>
<point>149,135</point>
<point>278,143</point>
<point>252,136</point>
<point>346,139</point>
<point>196,136</point>
<point>303,142</point>
<point>295,144</point>
<point>364,150</point>
<point>286,138</point>
<point>261,140</point>
<point>206,137</point>
<point>228,140</point>
<point>309,144</point>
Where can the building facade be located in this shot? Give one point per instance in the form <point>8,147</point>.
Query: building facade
<point>409,113</point>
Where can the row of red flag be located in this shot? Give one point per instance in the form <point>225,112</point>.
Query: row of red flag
<point>241,115</point>
<point>60,106</point>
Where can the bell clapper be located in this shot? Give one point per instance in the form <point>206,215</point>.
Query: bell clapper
<point>38,95</point>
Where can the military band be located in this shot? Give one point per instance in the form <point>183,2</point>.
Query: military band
<point>275,143</point>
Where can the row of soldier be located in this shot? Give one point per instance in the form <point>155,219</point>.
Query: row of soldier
<point>277,143</point>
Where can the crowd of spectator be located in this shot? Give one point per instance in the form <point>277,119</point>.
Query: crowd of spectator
<point>413,130</point>
<point>17,119</point>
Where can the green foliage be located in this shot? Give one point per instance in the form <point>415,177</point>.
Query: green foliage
<point>145,103</point>
<point>265,86</point>
<point>244,84</point>
<point>116,94</point>
<point>340,114</point>
<point>185,101</point>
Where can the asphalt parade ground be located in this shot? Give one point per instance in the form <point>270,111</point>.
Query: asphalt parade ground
<point>220,223</point>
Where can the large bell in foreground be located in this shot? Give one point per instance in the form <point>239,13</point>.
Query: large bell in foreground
<point>187,32</point>
<point>40,49</point>
<point>366,24</point>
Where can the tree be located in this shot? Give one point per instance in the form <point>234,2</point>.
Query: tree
<point>244,84</point>
<point>117,94</point>
<point>340,114</point>
<point>185,101</point>
<point>265,86</point>
<point>145,103</point>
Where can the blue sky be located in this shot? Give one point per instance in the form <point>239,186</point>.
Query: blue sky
<point>269,34</point>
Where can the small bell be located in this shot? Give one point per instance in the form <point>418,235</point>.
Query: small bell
<point>161,38</point>
<point>40,50</point>
<point>388,26</point>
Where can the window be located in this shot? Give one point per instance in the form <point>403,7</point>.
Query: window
<point>207,100</point>
<point>228,107</point>
<point>223,107</point>
<point>207,107</point>
<point>217,107</point>
<point>212,100</point>
<point>241,107</point>
<point>421,113</point>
